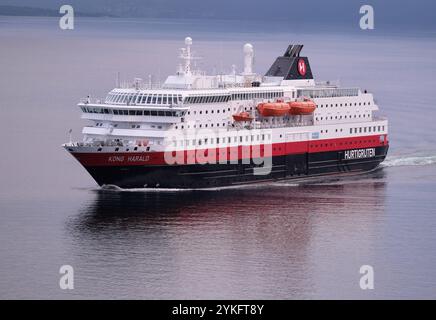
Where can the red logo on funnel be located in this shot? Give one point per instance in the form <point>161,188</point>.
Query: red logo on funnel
<point>301,67</point>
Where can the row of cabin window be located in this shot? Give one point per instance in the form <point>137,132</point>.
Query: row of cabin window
<point>160,113</point>
<point>346,104</point>
<point>207,99</point>
<point>327,93</point>
<point>345,117</point>
<point>327,131</point>
<point>133,126</point>
<point>321,145</point>
<point>257,95</point>
<point>144,98</point>
<point>217,111</point>
<point>137,126</point>
<point>368,129</point>
<point>207,111</point>
<point>127,149</point>
<point>218,140</point>
<point>200,126</point>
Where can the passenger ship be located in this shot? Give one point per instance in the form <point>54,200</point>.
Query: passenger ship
<point>202,131</point>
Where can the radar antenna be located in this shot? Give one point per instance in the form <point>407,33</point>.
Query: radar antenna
<point>187,55</point>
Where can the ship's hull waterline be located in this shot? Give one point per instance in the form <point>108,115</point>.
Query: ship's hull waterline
<point>285,167</point>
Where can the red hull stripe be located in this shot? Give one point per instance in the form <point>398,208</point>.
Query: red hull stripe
<point>213,155</point>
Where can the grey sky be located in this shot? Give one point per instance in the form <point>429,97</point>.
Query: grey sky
<point>415,14</point>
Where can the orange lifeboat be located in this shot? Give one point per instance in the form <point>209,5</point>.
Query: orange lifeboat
<point>273,109</point>
<point>302,107</point>
<point>242,116</point>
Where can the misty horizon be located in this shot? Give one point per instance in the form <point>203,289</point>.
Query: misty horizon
<point>388,14</point>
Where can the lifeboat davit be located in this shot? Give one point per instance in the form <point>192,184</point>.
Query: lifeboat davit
<point>273,109</point>
<point>302,107</point>
<point>242,116</point>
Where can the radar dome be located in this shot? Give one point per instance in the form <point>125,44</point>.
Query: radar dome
<point>188,41</point>
<point>248,48</point>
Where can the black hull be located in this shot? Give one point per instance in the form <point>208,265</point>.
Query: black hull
<point>295,166</point>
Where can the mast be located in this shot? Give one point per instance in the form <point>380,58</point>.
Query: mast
<point>186,55</point>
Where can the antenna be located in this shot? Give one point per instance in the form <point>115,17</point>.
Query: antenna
<point>137,83</point>
<point>221,58</point>
<point>158,77</point>
<point>186,55</point>
<point>248,59</point>
<point>117,84</point>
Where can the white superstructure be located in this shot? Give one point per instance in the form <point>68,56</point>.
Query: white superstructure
<point>191,102</point>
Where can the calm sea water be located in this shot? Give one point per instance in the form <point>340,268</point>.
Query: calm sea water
<point>282,241</point>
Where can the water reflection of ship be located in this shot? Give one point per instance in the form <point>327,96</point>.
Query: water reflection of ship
<point>134,206</point>
<point>252,242</point>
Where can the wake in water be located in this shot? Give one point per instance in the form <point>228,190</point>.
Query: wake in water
<point>114,188</point>
<point>111,187</point>
<point>391,161</point>
<point>399,161</point>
